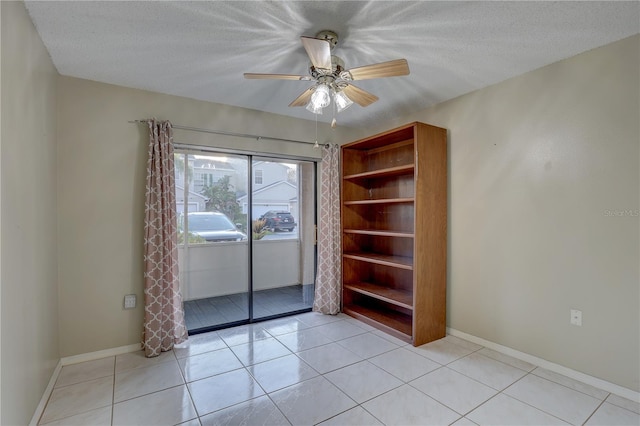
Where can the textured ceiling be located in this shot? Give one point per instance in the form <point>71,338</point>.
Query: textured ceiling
<point>201,49</point>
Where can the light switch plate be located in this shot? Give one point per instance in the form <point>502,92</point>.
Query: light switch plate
<point>576,317</point>
<point>130,301</point>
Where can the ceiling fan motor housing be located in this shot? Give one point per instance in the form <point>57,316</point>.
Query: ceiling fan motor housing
<point>329,36</point>
<point>336,75</point>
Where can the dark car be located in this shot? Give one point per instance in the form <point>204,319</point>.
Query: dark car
<point>279,220</point>
<point>214,226</point>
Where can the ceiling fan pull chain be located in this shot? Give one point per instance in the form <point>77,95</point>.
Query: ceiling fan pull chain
<point>333,122</point>
<point>315,145</point>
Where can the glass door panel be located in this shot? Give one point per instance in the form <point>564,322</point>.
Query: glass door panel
<point>283,231</point>
<point>213,245</point>
<point>246,238</point>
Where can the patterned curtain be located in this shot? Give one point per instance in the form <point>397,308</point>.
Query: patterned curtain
<point>163,313</point>
<point>328,280</point>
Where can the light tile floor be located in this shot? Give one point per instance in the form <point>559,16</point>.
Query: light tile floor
<point>329,370</point>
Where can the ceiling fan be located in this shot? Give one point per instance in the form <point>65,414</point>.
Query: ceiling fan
<point>332,79</point>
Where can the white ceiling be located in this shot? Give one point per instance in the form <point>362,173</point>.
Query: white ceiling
<point>201,49</point>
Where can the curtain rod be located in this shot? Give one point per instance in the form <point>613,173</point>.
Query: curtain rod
<point>240,135</point>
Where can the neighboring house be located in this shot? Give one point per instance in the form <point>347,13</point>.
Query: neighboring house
<point>280,195</point>
<point>206,171</point>
<point>265,173</point>
<point>272,189</point>
<point>196,202</point>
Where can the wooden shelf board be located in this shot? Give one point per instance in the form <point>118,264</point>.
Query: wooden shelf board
<point>389,138</point>
<point>380,201</point>
<point>390,171</point>
<point>382,259</point>
<point>378,233</point>
<point>390,321</point>
<point>386,294</point>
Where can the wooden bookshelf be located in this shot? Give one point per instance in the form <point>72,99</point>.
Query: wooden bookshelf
<point>394,211</point>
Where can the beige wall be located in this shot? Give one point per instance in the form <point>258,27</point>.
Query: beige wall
<point>28,230</point>
<point>535,163</point>
<point>538,164</point>
<point>101,166</point>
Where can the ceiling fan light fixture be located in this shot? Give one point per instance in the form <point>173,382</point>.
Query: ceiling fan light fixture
<point>342,101</point>
<point>311,107</point>
<point>321,97</point>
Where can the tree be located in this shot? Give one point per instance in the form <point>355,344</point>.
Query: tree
<point>178,161</point>
<point>292,175</point>
<point>221,197</point>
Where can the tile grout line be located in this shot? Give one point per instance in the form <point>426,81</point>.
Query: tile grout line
<point>475,408</point>
<point>184,378</point>
<point>74,414</point>
<point>246,368</point>
<point>555,368</point>
<point>498,391</point>
<point>569,387</point>
<point>527,373</point>
<point>594,411</point>
<point>620,406</point>
<point>113,390</point>
<point>269,396</point>
<point>533,406</point>
<point>323,375</point>
<point>403,383</point>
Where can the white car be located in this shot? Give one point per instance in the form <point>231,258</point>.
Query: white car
<point>213,227</point>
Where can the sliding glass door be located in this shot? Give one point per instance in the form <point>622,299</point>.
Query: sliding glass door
<point>246,237</point>
<point>282,210</point>
<point>213,240</point>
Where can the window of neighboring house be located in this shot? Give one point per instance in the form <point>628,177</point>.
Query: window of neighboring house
<point>258,177</point>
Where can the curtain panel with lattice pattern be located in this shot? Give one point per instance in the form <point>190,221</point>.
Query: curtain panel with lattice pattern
<point>328,280</point>
<point>164,323</point>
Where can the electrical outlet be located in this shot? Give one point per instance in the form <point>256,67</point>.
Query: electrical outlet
<point>130,301</point>
<point>576,317</point>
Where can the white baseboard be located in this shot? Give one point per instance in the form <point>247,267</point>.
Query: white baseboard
<point>91,356</point>
<point>556,368</point>
<point>45,396</point>
<point>75,359</point>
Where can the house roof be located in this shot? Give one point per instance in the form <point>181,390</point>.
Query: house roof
<point>180,189</point>
<point>269,187</point>
<point>212,164</point>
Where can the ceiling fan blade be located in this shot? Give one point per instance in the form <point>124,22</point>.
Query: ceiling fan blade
<point>303,99</point>
<point>383,69</point>
<point>359,96</point>
<point>276,76</point>
<point>319,52</point>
